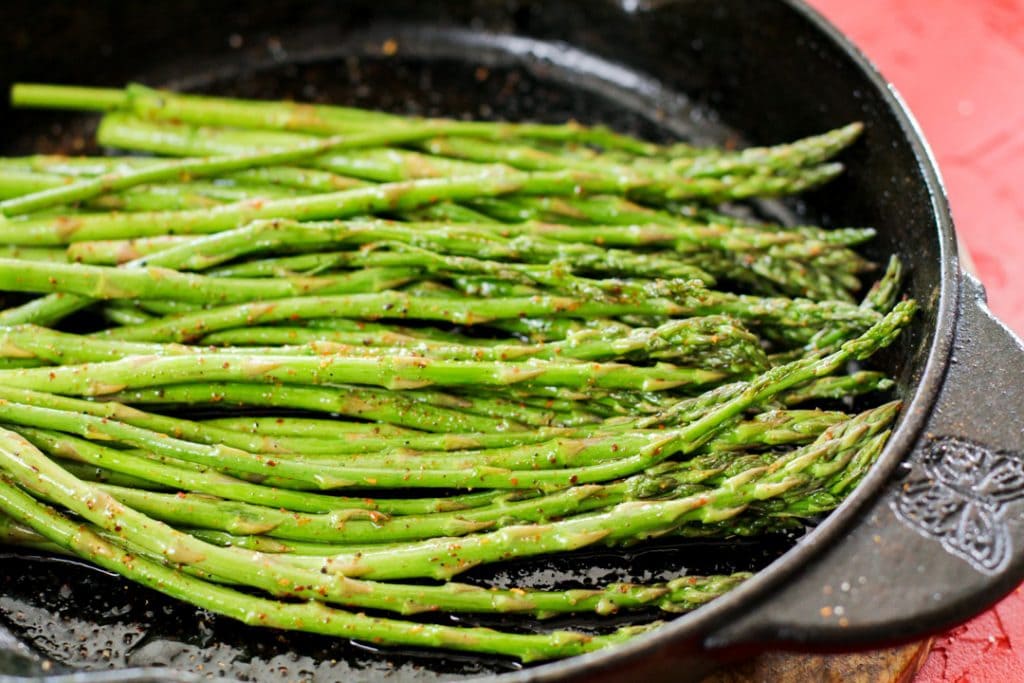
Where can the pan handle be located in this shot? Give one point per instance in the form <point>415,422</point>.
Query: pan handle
<point>945,539</point>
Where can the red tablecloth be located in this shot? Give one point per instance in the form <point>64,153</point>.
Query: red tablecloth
<point>959,64</point>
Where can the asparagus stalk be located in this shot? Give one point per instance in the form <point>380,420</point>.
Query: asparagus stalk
<point>112,182</point>
<point>61,169</point>
<point>30,460</point>
<point>429,246</point>
<point>395,372</point>
<point>688,300</point>
<point>716,341</point>
<point>12,533</point>
<point>101,282</point>
<point>287,116</point>
<point>187,479</point>
<point>842,386</point>
<point>805,152</point>
<point>399,409</point>
<point>386,197</point>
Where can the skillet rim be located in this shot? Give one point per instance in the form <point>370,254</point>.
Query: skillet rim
<point>697,625</point>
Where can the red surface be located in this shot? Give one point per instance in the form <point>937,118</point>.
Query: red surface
<point>959,64</point>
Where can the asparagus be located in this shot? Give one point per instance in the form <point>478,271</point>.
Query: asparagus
<point>15,182</point>
<point>182,478</point>
<point>304,427</point>
<point>21,459</point>
<point>716,341</point>
<point>118,312</point>
<point>375,165</point>
<point>802,153</point>
<point>48,254</point>
<point>110,182</point>
<point>170,198</point>
<point>454,140</point>
<point>880,298</point>
<point>345,526</point>
<point>688,300</point>
<point>307,616</point>
<point>675,596</point>
<point>321,119</point>
<point>314,118</point>
<point>681,440</point>
<point>358,402</point>
<point>321,437</point>
<point>59,169</point>
<point>126,518</point>
<point>100,282</point>
<point>166,196</point>
<point>842,386</point>
<point>100,475</point>
<point>395,372</point>
<point>425,245</point>
<point>442,559</point>
<point>391,196</point>
<point>12,533</point>
<point>679,595</point>
<point>557,321</point>
<point>79,449</point>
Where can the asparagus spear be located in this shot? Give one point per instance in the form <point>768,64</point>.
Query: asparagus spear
<point>278,115</point>
<point>842,386</point>
<point>100,282</point>
<point>400,409</point>
<point>110,182</point>
<point>59,170</point>
<point>689,300</point>
<point>716,341</point>
<point>395,372</point>
<point>805,152</point>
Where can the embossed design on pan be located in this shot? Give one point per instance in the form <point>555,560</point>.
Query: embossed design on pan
<point>959,496</point>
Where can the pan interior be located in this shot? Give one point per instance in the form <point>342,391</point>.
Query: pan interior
<point>84,618</point>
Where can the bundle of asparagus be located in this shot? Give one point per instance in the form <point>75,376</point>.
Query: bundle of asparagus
<point>554,331</point>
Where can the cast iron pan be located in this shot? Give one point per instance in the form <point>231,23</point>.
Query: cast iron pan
<point>933,535</point>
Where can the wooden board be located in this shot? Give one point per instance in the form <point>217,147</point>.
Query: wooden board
<point>892,665</point>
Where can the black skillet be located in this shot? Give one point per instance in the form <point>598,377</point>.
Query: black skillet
<point>933,536</point>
